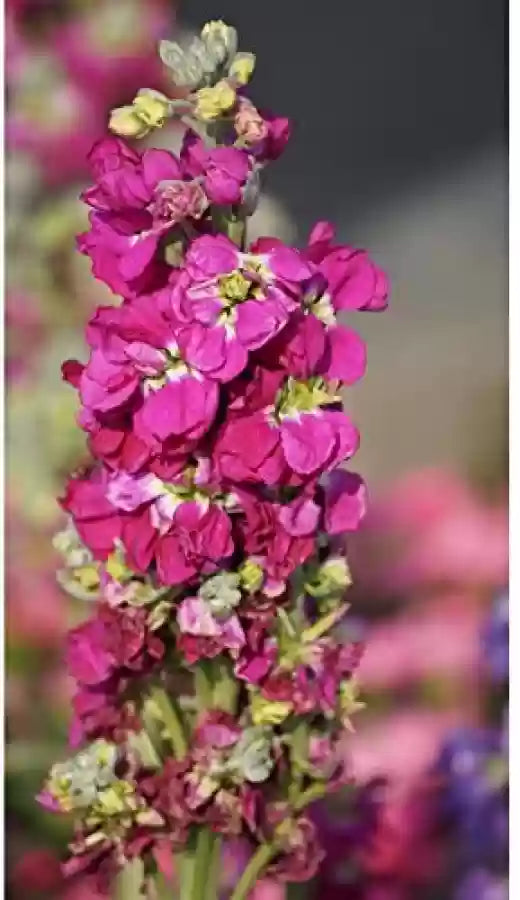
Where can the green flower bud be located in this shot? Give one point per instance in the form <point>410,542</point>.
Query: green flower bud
<point>221,40</point>
<point>303,396</point>
<point>329,581</point>
<point>349,701</point>
<point>252,755</point>
<point>76,783</point>
<point>186,68</point>
<point>80,575</point>
<point>222,593</point>
<point>116,567</point>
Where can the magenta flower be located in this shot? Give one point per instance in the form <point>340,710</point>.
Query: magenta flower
<point>354,281</point>
<point>226,172</point>
<point>232,302</point>
<point>137,198</point>
<point>205,635</point>
<point>300,436</point>
<point>345,502</point>
<point>135,371</point>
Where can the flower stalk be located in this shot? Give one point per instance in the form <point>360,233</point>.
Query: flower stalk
<point>212,692</point>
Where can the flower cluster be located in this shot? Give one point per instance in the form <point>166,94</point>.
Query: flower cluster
<point>209,526</point>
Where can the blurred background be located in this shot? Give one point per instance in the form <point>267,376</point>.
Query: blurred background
<point>400,138</point>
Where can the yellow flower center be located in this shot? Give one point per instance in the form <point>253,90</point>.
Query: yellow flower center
<point>234,287</point>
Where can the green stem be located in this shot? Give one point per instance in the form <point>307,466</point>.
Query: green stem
<point>129,881</point>
<point>214,868</point>
<point>236,231</point>
<point>225,687</point>
<point>299,755</point>
<point>199,874</point>
<point>172,717</point>
<point>253,870</point>
<point>315,792</point>
<point>204,684</point>
<point>323,625</point>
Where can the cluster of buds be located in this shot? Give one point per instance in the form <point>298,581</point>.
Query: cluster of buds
<point>209,528</point>
<point>209,70</point>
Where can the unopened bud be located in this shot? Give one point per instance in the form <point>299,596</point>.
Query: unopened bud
<point>149,110</point>
<point>221,39</point>
<point>242,68</point>
<point>212,103</point>
<point>269,712</point>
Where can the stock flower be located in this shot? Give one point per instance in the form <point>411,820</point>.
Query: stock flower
<point>300,435</point>
<point>135,370</point>
<point>137,199</point>
<point>233,302</point>
<point>204,634</point>
<point>354,282</point>
<point>212,690</point>
<point>226,172</point>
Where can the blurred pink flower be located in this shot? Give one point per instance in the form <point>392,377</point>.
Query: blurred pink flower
<point>403,849</point>
<point>437,638</point>
<point>431,529</point>
<point>268,890</point>
<point>401,746</point>
<point>112,47</point>
<point>25,329</point>
<point>53,120</point>
<point>39,624</point>
<point>37,870</point>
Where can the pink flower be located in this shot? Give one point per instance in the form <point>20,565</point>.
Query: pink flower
<point>281,538</point>
<point>299,348</point>
<point>184,408</point>
<point>233,303</point>
<point>87,659</point>
<point>217,729</point>
<point>227,170</point>
<point>353,280</point>
<point>303,854</point>
<point>427,648</point>
<point>249,124</point>
<point>433,529</point>
<point>97,521</point>
<point>113,643</point>
<point>272,145</point>
<point>205,635</point>
<point>298,437</point>
<point>184,535</point>
<point>402,747</point>
<point>111,49</point>
<point>136,384</point>
<point>136,199</point>
<point>316,442</point>
<point>345,502</point>
<point>248,449</point>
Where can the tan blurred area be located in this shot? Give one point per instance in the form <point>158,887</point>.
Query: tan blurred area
<point>436,386</point>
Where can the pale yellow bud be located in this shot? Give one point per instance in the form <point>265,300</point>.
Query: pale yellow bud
<point>152,107</point>
<point>125,122</point>
<point>242,67</point>
<point>149,110</point>
<point>269,712</point>
<point>213,102</point>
